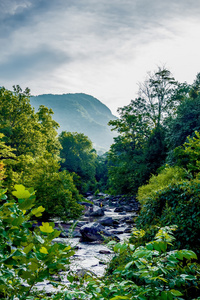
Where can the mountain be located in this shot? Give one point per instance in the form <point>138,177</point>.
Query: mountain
<point>80,113</point>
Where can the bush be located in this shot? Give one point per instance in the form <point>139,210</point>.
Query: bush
<point>169,175</point>
<point>27,256</point>
<point>151,273</point>
<point>176,204</point>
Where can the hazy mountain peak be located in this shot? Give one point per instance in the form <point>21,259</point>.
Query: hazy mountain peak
<point>82,113</point>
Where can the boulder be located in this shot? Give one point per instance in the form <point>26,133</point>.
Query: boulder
<point>94,232</point>
<point>106,221</point>
<point>119,209</point>
<point>128,208</point>
<point>96,211</point>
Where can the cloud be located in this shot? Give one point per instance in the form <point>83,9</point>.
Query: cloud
<point>91,45</point>
<point>21,65</point>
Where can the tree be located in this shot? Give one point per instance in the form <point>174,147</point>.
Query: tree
<point>102,172</point>
<point>140,148</point>
<point>156,96</point>
<point>34,142</point>
<point>19,123</point>
<point>125,166</point>
<point>79,157</point>
<point>186,119</point>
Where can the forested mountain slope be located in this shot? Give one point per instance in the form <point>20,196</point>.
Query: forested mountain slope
<point>80,113</point>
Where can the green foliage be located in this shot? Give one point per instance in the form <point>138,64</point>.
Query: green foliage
<point>23,129</point>
<point>79,157</point>
<point>102,172</point>
<point>179,204</point>
<point>54,190</point>
<point>140,148</point>
<point>167,176</point>
<point>188,155</point>
<point>27,256</point>
<point>6,152</point>
<point>124,166</point>
<point>184,124</point>
<point>30,149</point>
<point>152,272</point>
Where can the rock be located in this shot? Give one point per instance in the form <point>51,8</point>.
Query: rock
<point>95,211</point>
<point>106,221</point>
<point>76,234</point>
<point>117,231</point>
<point>104,252</point>
<point>119,209</point>
<point>130,221</point>
<point>64,234</point>
<point>128,230</point>
<point>128,208</point>
<point>81,223</point>
<point>94,232</point>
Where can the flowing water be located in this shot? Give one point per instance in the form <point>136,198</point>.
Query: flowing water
<point>88,256</point>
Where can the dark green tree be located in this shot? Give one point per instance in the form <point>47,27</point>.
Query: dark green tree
<point>102,172</point>
<point>79,157</point>
<point>186,119</point>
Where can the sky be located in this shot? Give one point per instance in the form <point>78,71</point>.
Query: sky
<point>103,48</point>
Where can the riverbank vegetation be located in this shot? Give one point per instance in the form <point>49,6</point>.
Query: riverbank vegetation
<point>156,156</point>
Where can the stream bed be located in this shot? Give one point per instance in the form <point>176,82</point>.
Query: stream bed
<point>93,256</point>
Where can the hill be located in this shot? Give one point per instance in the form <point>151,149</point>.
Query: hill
<point>80,113</point>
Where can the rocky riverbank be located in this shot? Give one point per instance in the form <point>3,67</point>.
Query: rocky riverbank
<point>105,217</point>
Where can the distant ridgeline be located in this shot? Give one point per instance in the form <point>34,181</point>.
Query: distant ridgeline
<point>80,113</point>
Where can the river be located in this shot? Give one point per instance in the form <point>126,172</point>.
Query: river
<point>88,256</point>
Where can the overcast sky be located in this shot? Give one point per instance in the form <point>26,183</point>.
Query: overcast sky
<point>99,47</point>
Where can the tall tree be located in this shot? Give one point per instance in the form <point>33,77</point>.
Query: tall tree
<point>140,126</point>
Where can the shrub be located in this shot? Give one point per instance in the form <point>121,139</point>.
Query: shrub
<point>176,204</point>
<point>169,175</point>
<point>152,273</point>
<point>188,155</point>
<point>27,256</point>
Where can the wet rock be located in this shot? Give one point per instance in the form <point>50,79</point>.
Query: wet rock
<point>81,223</point>
<point>128,230</point>
<point>130,221</point>
<point>76,234</point>
<point>104,252</point>
<point>119,209</point>
<point>106,221</point>
<point>95,211</point>
<point>94,232</point>
<point>117,231</point>
<point>128,208</point>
